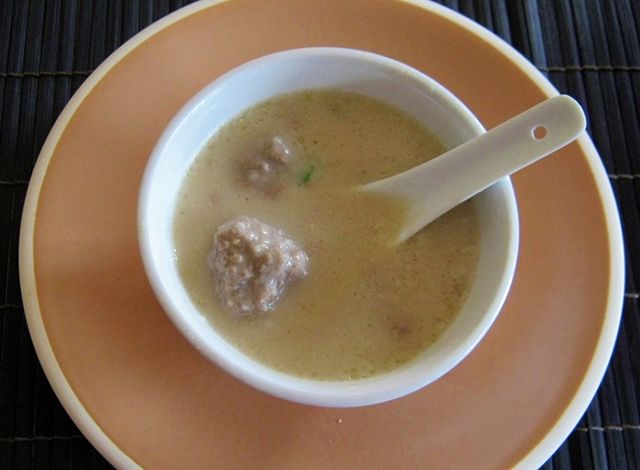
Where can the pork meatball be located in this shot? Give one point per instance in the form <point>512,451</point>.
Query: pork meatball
<point>253,264</point>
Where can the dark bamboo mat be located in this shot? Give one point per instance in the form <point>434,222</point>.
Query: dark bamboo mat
<point>589,49</point>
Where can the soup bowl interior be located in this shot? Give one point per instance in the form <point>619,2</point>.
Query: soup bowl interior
<point>347,70</point>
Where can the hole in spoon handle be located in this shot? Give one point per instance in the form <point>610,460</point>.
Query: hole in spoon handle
<point>539,132</point>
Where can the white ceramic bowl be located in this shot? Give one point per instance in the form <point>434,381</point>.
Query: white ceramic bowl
<point>344,69</point>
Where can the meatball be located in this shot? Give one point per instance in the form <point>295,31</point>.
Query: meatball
<point>262,168</point>
<point>253,263</point>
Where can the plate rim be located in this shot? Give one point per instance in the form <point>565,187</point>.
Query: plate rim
<point>541,451</point>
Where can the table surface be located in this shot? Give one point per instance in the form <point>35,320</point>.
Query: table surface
<point>589,49</point>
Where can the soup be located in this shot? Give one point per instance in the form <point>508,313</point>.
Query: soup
<point>364,306</point>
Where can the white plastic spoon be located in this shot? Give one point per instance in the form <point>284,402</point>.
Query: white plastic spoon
<point>436,186</point>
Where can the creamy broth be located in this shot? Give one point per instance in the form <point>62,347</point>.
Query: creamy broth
<point>365,306</point>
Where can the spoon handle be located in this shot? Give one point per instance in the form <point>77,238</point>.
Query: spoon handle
<point>439,185</point>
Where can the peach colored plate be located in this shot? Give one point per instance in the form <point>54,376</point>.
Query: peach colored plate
<point>144,397</point>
